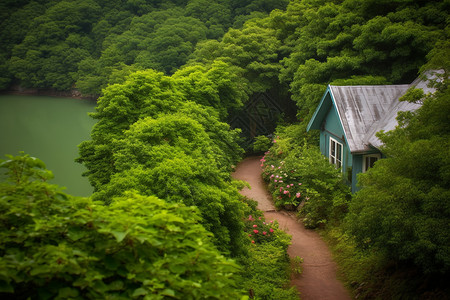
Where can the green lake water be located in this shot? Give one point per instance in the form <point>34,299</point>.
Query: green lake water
<point>48,128</point>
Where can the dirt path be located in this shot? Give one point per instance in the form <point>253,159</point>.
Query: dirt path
<point>318,280</point>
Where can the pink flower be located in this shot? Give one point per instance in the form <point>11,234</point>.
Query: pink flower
<point>281,180</point>
<point>264,232</point>
<point>281,189</point>
<point>297,195</point>
<point>285,192</point>
<point>250,218</point>
<point>256,231</point>
<point>299,184</point>
<point>272,166</point>
<point>249,234</point>
<point>271,230</point>
<point>288,186</point>
<point>253,242</point>
<point>292,184</point>
<point>271,176</point>
<point>254,226</point>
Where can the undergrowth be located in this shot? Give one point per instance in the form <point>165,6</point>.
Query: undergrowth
<point>370,275</point>
<point>267,267</point>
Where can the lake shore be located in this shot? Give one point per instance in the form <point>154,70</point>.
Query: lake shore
<point>73,93</point>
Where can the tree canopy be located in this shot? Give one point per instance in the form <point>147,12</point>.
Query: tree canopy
<point>63,44</point>
<point>54,245</point>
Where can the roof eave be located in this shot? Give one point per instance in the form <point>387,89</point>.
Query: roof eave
<point>319,113</point>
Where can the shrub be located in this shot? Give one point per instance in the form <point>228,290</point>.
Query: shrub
<point>266,267</point>
<point>262,143</point>
<point>53,245</point>
<point>303,175</point>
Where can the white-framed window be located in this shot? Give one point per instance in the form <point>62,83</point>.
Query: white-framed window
<point>369,160</point>
<point>335,152</point>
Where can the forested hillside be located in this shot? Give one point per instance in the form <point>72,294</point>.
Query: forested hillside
<point>88,43</point>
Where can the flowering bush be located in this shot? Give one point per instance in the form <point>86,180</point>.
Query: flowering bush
<point>299,174</point>
<point>267,245</point>
<point>259,230</point>
<point>285,186</point>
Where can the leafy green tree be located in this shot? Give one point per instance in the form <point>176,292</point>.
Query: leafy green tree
<point>218,85</point>
<point>152,138</point>
<point>216,16</point>
<point>144,93</point>
<point>403,208</point>
<point>49,54</point>
<point>54,245</point>
<point>247,6</point>
<point>169,46</point>
<point>172,157</point>
<point>254,49</point>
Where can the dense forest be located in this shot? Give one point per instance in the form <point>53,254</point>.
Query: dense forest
<point>168,76</point>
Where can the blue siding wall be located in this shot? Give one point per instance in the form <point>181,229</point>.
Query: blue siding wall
<point>332,127</point>
<point>357,168</point>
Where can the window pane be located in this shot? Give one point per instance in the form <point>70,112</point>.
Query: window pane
<point>339,152</point>
<point>333,148</point>
<point>372,161</point>
<point>369,160</point>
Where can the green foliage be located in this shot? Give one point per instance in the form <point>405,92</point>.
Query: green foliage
<point>144,93</point>
<point>218,85</point>
<point>403,208</point>
<point>361,80</point>
<point>371,275</point>
<point>296,265</point>
<point>57,246</point>
<point>266,266</point>
<point>171,157</point>
<point>259,230</point>
<point>254,49</point>
<point>262,143</point>
<point>328,42</point>
<point>301,174</point>
<point>150,137</point>
<point>59,43</point>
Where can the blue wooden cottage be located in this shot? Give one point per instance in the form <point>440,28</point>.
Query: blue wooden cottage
<point>348,118</point>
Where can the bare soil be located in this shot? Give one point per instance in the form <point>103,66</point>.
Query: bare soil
<point>319,278</point>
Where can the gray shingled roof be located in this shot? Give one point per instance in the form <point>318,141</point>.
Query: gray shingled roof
<point>367,109</point>
<point>362,109</point>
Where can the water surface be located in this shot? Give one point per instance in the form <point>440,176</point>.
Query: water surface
<point>49,128</point>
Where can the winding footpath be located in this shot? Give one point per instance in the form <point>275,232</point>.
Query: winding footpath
<point>318,280</point>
